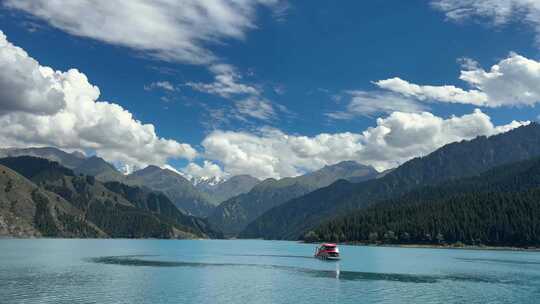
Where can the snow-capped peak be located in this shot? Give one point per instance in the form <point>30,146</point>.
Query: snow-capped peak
<point>210,181</point>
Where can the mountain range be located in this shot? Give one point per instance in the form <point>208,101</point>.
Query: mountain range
<point>220,190</point>
<point>197,197</point>
<point>42,198</point>
<point>294,218</point>
<point>180,190</point>
<point>233,215</point>
<point>485,190</point>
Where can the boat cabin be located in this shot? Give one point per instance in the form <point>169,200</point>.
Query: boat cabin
<point>327,251</point>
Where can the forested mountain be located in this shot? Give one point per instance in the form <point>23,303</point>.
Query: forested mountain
<point>59,203</point>
<point>219,191</point>
<point>158,203</point>
<point>500,207</point>
<point>467,158</point>
<point>27,210</point>
<point>233,215</point>
<point>181,191</point>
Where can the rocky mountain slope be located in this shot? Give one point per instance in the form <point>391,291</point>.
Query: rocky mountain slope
<point>219,191</point>
<point>181,191</point>
<point>27,210</point>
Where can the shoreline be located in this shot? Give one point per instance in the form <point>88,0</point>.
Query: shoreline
<point>358,244</point>
<point>464,247</point>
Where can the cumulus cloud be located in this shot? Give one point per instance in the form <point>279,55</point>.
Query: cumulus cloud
<point>512,82</point>
<point>498,12</point>
<point>69,115</point>
<point>226,83</point>
<point>363,103</point>
<point>403,136</point>
<point>394,140</point>
<point>175,30</point>
<point>24,85</point>
<point>163,85</point>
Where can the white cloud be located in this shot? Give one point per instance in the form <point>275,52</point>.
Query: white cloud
<point>84,123</point>
<point>514,81</point>
<point>77,121</point>
<point>248,113</point>
<point>403,136</point>
<point>468,63</point>
<point>226,83</point>
<point>24,85</point>
<point>364,103</point>
<point>396,139</point>
<point>247,100</point>
<point>255,108</point>
<point>208,169</point>
<point>499,12</point>
<point>446,93</point>
<point>164,85</point>
<point>175,30</point>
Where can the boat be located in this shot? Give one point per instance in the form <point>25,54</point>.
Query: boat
<point>327,251</point>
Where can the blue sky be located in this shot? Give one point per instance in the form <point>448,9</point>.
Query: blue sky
<point>290,71</point>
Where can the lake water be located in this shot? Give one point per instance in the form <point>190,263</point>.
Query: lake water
<point>253,271</point>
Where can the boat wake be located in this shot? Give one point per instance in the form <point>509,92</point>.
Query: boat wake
<point>273,256</point>
<point>142,261</point>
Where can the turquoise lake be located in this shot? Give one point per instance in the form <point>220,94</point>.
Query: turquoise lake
<point>256,271</point>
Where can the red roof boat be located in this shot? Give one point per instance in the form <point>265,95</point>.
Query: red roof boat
<point>327,251</point>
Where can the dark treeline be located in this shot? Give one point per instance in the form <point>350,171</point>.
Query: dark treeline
<point>499,208</point>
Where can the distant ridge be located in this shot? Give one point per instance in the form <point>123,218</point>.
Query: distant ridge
<point>76,161</point>
<point>181,191</point>
<point>68,160</point>
<point>220,190</point>
<point>233,215</point>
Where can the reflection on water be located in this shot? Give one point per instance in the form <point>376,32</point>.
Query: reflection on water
<point>137,260</point>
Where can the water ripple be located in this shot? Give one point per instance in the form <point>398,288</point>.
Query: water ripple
<point>502,261</point>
